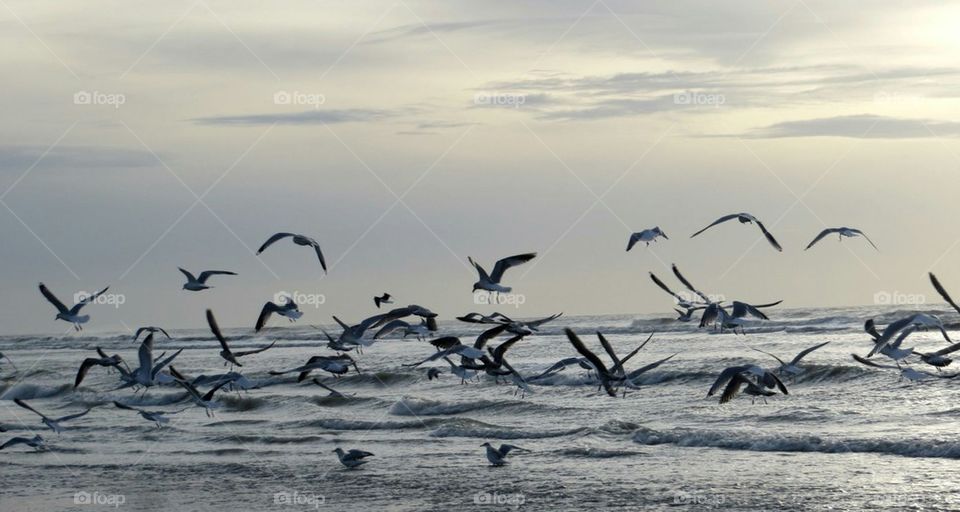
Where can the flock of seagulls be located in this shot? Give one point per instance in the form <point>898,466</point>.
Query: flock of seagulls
<point>467,360</point>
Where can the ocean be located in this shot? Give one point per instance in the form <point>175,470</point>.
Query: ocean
<point>847,437</point>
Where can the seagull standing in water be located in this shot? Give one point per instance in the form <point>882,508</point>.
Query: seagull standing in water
<point>301,240</point>
<point>37,442</point>
<point>498,456</point>
<point>288,309</point>
<point>646,236</point>
<point>196,284</point>
<point>744,218</point>
<point>51,423</point>
<point>842,232</point>
<point>491,282</point>
<point>71,315</point>
<point>352,458</point>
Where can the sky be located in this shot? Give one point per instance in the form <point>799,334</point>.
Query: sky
<point>408,135</point>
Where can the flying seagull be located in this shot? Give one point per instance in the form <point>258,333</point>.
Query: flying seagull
<point>228,355</point>
<point>148,373</point>
<point>383,299</point>
<point>288,309</point>
<point>158,417</point>
<point>792,368</point>
<point>498,456</point>
<point>647,236</point>
<point>299,240</point>
<point>905,373</point>
<point>681,301</point>
<point>71,315</point>
<point>759,382</point>
<point>150,329</point>
<point>744,218</point>
<point>842,232</point>
<point>352,458</point>
<point>491,282</point>
<point>36,442</point>
<point>206,400</point>
<point>195,284</point>
<point>51,423</point>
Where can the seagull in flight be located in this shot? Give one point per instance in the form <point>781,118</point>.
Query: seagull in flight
<point>491,282</point>
<point>842,232</point>
<point>71,315</point>
<point>158,417</point>
<point>498,456</point>
<point>148,373</point>
<point>301,240</point>
<point>383,299</point>
<point>647,236</point>
<point>759,382</point>
<point>336,365</point>
<point>288,309</point>
<point>352,458</point>
<point>906,325</point>
<point>793,367</point>
<point>150,329</point>
<point>206,400</point>
<point>744,218</point>
<point>905,372</point>
<point>682,301</point>
<point>51,423</point>
<point>228,355</point>
<point>195,284</point>
<point>37,442</point>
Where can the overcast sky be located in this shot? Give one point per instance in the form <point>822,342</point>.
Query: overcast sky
<point>407,135</point>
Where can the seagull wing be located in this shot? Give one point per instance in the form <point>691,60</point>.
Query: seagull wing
<point>634,238</point>
<point>821,236</point>
<point>771,355</point>
<point>483,273</point>
<point>504,347</point>
<point>316,248</point>
<point>255,351</point>
<point>676,272</point>
<point>126,407</point>
<point>445,342</point>
<point>943,292</point>
<point>187,273</point>
<point>867,362</point>
<point>718,221</point>
<point>162,364</point>
<point>725,376</point>
<point>53,299</point>
<point>215,329</point>
<point>356,455</point>
<point>145,353</point>
<point>742,309</point>
<point>864,235</point>
<point>207,273</point>
<point>390,327</point>
<point>26,406</point>
<point>512,261</point>
<point>507,448</point>
<point>72,416</point>
<point>804,352</point>
<point>533,324</point>
<point>736,382</point>
<point>770,238</point>
<point>84,368</point>
<point>584,351</point>
<point>608,348</point>
<point>488,335</point>
<point>268,309</point>
<point>273,239</point>
<point>640,371</point>
<point>86,300</point>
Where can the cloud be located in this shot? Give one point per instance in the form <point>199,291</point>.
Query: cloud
<point>863,126</point>
<point>308,117</point>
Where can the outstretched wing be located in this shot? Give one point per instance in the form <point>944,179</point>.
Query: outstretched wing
<point>676,272</point>
<point>126,407</point>
<point>268,309</point>
<point>634,238</point>
<point>73,416</point>
<point>804,352</point>
<point>187,273</point>
<point>255,351</point>
<point>509,262</point>
<point>390,327</point>
<point>940,289</point>
<point>821,236</point>
<point>23,404</point>
<point>53,299</point>
<point>86,300</point>
<point>864,235</point>
<point>770,238</point>
<point>215,329</point>
<point>316,248</point>
<point>736,382</point>
<point>584,351</point>
<point>725,376</point>
<point>273,239</point>
<point>207,273</point>
<point>718,221</point>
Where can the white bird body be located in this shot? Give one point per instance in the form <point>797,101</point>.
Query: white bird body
<point>352,458</point>
<point>646,236</point>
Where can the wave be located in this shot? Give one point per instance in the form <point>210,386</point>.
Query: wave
<point>408,406</point>
<point>464,427</point>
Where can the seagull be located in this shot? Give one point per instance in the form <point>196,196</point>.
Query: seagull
<point>891,350</point>
<point>288,309</point>
<point>336,365</point>
<point>943,292</point>
<point>421,330</point>
<point>352,458</point>
<point>195,284</point>
<point>498,456</point>
<point>758,382</point>
<point>910,323</point>
<point>905,373</point>
<point>938,359</point>
<point>647,235</point>
<point>158,417</point>
<point>228,355</point>
<point>615,375</point>
<point>299,240</point>
<point>792,368</point>
<point>206,400</point>
<point>51,423</point>
<point>681,301</point>
<point>104,360</point>
<point>383,299</point>
<point>842,232</point>
<point>562,364</point>
<point>744,218</point>
<point>71,315</point>
<point>148,373</point>
<point>150,329</point>
<point>464,373</point>
<point>491,282</point>
<point>433,373</point>
<point>524,327</point>
<point>35,442</point>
